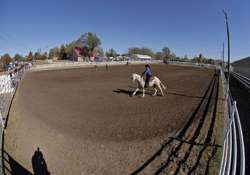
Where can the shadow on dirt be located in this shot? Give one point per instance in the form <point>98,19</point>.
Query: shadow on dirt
<point>130,92</point>
<point>38,163</point>
<point>183,95</point>
<point>199,114</point>
<point>11,166</point>
<point>123,91</point>
<point>149,92</point>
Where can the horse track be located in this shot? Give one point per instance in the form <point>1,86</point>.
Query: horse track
<point>85,132</point>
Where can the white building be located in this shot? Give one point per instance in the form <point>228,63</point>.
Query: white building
<point>140,57</point>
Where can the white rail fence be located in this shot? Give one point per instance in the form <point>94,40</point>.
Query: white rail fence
<point>244,80</point>
<point>233,138</point>
<point>8,85</point>
<point>55,65</point>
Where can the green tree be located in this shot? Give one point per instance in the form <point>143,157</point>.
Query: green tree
<point>111,53</point>
<point>92,41</point>
<point>159,56</point>
<point>6,59</point>
<point>40,56</point>
<point>69,49</point>
<point>18,57</point>
<point>30,56</point>
<point>54,53</point>
<point>36,55</point>
<point>88,42</point>
<point>62,54</point>
<point>166,53</point>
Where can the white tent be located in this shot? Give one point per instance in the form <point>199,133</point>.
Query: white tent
<point>141,57</point>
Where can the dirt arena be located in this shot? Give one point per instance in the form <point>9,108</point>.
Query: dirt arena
<point>85,122</point>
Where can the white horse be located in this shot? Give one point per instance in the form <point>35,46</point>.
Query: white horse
<point>155,82</point>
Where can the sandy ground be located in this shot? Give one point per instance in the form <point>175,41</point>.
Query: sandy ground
<point>85,122</point>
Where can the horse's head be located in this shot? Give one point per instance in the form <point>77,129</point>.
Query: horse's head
<point>134,77</point>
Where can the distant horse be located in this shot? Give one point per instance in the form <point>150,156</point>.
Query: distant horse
<point>154,82</point>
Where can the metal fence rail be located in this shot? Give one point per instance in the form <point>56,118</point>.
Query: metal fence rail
<point>8,85</point>
<point>233,140</point>
<point>244,80</point>
<point>191,64</point>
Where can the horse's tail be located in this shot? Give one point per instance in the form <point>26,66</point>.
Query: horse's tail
<point>161,84</point>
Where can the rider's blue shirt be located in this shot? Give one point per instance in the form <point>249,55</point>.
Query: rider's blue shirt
<point>147,72</point>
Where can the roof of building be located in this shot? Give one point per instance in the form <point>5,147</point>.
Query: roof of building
<point>142,56</point>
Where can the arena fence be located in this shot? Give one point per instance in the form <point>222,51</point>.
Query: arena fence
<point>244,80</point>
<point>72,64</point>
<point>191,64</point>
<point>8,84</point>
<point>233,154</point>
<point>233,137</point>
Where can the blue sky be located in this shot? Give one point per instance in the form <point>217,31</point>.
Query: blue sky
<point>186,27</point>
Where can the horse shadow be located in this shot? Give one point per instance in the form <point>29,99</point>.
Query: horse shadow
<point>130,92</point>
<point>123,91</point>
<point>11,166</point>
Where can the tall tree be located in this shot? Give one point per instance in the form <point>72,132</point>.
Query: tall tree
<point>54,53</point>
<point>166,53</point>
<point>89,41</point>
<point>30,56</point>
<point>159,56</point>
<point>6,59</point>
<point>62,54</point>
<point>18,57</point>
<point>69,49</point>
<point>92,41</point>
<point>111,53</point>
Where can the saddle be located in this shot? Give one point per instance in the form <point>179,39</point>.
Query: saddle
<point>147,82</point>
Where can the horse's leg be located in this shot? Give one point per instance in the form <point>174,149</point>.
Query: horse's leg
<point>159,86</point>
<point>143,92</point>
<point>137,89</point>
<point>155,92</point>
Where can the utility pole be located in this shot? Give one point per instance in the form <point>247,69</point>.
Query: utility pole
<point>223,56</point>
<point>228,49</point>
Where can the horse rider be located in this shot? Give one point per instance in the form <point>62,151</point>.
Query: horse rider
<point>148,74</point>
